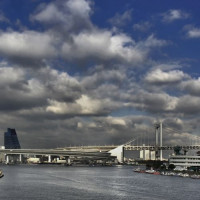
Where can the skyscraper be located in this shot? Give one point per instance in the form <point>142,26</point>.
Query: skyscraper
<point>11,140</point>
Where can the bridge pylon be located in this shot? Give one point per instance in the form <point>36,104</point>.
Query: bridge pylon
<point>158,146</point>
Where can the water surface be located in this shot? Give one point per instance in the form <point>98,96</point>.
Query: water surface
<point>24,182</point>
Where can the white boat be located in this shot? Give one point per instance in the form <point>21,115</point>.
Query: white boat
<point>195,176</point>
<point>150,171</point>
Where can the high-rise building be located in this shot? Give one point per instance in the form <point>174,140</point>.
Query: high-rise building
<point>11,140</point>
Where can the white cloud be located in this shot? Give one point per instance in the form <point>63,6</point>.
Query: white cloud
<point>116,121</point>
<point>79,7</point>
<point>103,76</point>
<point>160,77</point>
<point>59,85</point>
<point>193,32</point>
<point>65,15</point>
<point>10,76</point>
<point>82,106</point>
<point>28,44</point>
<point>103,45</point>
<point>174,14</point>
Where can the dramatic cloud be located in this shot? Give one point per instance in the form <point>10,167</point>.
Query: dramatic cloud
<point>173,14</point>
<point>35,91</point>
<point>67,76</point>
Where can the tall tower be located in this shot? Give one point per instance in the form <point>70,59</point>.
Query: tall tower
<point>11,140</point>
<point>159,133</point>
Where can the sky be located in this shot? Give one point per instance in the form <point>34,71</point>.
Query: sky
<point>96,72</point>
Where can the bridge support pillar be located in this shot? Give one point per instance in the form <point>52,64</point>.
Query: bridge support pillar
<point>68,161</point>
<point>49,158</point>
<point>7,159</point>
<point>161,157</point>
<point>156,144</point>
<point>20,158</point>
<point>159,132</point>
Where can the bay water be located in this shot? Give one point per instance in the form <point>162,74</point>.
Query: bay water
<point>48,182</point>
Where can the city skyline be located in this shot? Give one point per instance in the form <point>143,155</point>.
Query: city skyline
<point>78,72</point>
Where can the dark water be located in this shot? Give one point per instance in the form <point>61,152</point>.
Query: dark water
<point>92,183</point>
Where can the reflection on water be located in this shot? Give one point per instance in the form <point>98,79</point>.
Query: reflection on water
<point>100,183</point>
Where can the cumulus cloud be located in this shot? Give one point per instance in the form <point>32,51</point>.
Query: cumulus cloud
<point>153,102</point>
<point>26,45</point>
<point>160,77</point>
<point>174,14</point>
<point>82,106</point>
<point>19,92</point>
<point>102,77</point>
<point>10,76</point>
<point>191,86</point>
<point>72,36</point>
<point>59,85</point>
<point>116,121</point>
<point>103,45</point>
<point>71,15</point>
<point>192,32</point>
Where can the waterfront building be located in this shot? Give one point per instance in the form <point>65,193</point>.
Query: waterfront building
<point>11,140</point>
<point>185,160</point>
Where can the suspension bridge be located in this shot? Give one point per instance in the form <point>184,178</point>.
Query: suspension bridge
<point>157,139</point>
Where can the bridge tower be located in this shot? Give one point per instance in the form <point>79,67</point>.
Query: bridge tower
<point>158,134</point>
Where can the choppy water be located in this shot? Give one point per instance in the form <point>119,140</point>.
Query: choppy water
<point>92,183</point>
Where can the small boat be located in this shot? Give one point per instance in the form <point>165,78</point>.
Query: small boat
<point>137,170</point>
<point>195,176</point>
<point>150,171</point>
